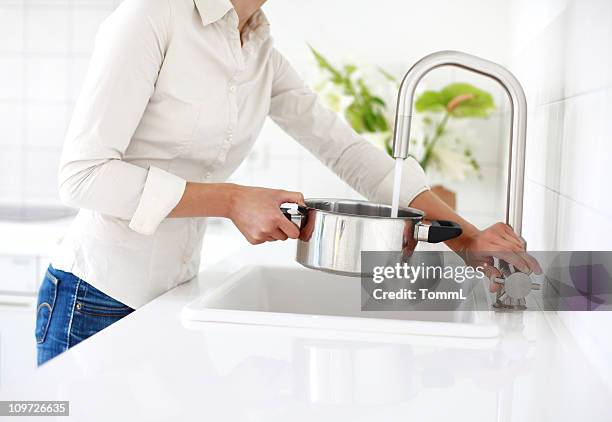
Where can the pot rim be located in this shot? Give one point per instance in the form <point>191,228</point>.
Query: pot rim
<point>419,215</point>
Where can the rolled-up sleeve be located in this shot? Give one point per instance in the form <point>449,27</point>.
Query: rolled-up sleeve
<point>365,167</point>
<point>128,54</point>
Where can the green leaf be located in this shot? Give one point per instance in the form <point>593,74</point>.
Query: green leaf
<point>349,89</point>
<point>364,90</point>
<point>387,75</point>
<point>354,116</point>
<point>389,145</point>
<point>430,101</point>
<point>366,112</point>
<point>378,101</point>
<point>325,65</point>
<point>475,165</point>
<point>480,105</point>
<point>381,123</point>
<point>349,69</point>
<point>369,119</point>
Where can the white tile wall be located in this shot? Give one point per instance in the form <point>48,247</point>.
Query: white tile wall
<point>11,82</point>
<point>46,30</point>
<point>544,143</point>
<point>46,79</point>
<point>11,173</point>
<point>11,123</point>
<point>77,68</point>
<point>563,57</point>
<point>44,48</point>
<point>566,75</point>
<point>587,151</point>
<point>588,45</point>
<point>11,30</point>
<point>84,23</point>
<point>40,161</point>
<point>390,31</point>
<point>540,216</point>
<point>46,124</point>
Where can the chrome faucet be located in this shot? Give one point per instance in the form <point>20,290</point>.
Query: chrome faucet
<point>518,104</point>
<point>516,285</point>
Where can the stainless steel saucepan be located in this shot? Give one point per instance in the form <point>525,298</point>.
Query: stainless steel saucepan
<point>333,232</point>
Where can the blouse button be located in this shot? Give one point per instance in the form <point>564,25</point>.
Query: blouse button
<point>232,88</point>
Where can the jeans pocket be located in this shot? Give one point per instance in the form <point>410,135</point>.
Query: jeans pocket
<point>46,302</point>
<point>95,303</point>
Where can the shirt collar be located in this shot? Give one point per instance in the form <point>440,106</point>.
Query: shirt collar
<point>213,10</point>
<point>256,32</point>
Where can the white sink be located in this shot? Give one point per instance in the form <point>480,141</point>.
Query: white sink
<point>299,297</point>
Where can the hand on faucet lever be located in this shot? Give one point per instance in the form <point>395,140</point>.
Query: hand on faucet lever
<point>498,241</point>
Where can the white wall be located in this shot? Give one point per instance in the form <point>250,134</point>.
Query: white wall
<point>563,58</point>
<point>562,54</point>
<point>389,32</point>
<point>44,50</point>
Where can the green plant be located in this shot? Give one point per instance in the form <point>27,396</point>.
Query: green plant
<point>368,113</point>
<point>457,100</point>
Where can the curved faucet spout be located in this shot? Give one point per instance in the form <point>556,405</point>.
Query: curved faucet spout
<point>518,110</point>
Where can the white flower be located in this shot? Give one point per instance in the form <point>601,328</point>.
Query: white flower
<point>451,163</point>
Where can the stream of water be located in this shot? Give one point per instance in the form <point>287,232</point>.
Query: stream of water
<point>397,185</point>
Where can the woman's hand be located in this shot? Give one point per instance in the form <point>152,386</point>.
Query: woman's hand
<point>478,247</point>
<point>256,213</point>
<point>498,241</point>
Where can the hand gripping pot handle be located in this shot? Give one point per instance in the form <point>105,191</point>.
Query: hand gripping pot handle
<point>436,232</point>
<point>295,215</point>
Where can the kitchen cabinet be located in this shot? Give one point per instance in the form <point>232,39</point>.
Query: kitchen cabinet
<point>20,274</point>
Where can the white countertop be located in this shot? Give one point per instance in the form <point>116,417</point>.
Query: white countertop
<point>150,366</point>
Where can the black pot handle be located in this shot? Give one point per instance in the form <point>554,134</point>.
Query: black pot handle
<point>437,231</point>
<point>295,215</point>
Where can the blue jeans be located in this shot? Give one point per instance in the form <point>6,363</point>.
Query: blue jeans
<point>69,311</point>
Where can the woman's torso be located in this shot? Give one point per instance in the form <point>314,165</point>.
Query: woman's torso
<point>208,105</point>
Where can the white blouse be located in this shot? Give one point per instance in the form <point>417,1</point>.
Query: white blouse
<point>171,96</point>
